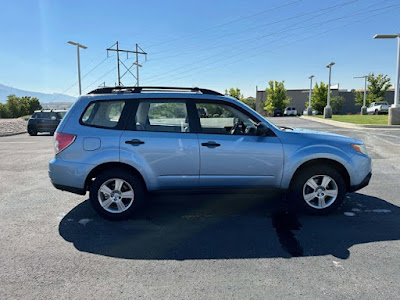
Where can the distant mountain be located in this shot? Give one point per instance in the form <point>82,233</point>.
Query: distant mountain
<point>43,98</point>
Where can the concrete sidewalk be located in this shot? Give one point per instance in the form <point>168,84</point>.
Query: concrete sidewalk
<point>348,125</point>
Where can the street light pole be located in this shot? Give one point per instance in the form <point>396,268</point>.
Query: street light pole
<point>309,108</point>
<point>364,107</point>
<point>79,62</point>
<point>394,110</point>
<point>328,108</point>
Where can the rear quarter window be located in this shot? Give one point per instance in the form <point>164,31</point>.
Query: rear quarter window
<point>105,114</point>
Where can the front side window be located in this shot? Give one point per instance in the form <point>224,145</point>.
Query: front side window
<point>223,119</point>
<point>162,116</point>
<point>103,114</point>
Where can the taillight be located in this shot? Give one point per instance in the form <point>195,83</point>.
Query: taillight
<point>62,141</point>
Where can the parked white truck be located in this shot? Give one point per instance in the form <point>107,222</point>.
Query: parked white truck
<point>377,108</point>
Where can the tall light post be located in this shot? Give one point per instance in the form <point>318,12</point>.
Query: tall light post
<point>394,110</point>
<point>79,62</point>
<point>309,108</point>
<point>328,108</point>
<point>364,107</point>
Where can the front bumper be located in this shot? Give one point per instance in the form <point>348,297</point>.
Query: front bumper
<point>363,183</point>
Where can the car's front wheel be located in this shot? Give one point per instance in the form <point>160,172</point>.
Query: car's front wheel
<point>116,194</point>
<point>318,190</point>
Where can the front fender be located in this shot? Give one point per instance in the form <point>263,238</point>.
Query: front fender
<point>294,159</point>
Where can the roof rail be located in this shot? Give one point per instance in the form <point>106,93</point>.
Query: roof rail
<point>139,89</point>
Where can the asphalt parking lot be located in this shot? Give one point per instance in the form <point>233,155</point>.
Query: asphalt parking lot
<point>237,245</point>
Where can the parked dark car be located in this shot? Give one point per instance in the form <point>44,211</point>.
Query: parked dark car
<point>278,112</point>
<point>45,121</point>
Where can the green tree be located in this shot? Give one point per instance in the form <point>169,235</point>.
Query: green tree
<point>376,89</point>
<point>235,93</point>
<point>4,113</point>
<point>33,104</point>
<point>319,97</point>
<point>337,104</point>
<point>13,106</point>
<point>250,101</point>
<point>19,106</point>
<point>276,96</point>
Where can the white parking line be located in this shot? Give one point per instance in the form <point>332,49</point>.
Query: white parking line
<point>16,143</point>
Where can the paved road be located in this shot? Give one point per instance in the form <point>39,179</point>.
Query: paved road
<point>189,246</point>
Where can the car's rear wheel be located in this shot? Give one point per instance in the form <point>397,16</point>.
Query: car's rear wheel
<point>318,190</point>
<point>376,112</point>
<point>116,194</point>
<point>32,130</point>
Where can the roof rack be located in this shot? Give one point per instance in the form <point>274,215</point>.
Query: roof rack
<point>139,89</point>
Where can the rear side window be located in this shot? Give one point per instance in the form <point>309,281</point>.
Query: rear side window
<point>162,116</point>
<point>104,114</point>
<point>53,116</point>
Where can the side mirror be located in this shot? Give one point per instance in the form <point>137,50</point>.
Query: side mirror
<point>262,129</point>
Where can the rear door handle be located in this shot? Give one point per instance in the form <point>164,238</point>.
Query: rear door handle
<point>134,142</point>
<point>211,144</point>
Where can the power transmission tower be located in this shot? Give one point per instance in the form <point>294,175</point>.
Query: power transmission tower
<point>137,52</point>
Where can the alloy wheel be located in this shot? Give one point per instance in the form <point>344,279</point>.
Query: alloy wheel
<point>115,195</point>
<point>320,191</point>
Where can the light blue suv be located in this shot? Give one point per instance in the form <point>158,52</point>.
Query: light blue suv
<point>118,143</point>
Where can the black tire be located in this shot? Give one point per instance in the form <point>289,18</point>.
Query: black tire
<point>298,185</point>
<point>135,183</point>
<point>376,112</point>
<point>32,130</point>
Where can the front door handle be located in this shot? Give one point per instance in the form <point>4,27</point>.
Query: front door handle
<point>211,144</point>
<point>134,142</point>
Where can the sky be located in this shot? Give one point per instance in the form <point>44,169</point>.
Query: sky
<point>210,44</point>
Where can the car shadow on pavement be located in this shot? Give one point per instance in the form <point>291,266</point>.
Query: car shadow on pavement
<point>224,226</point>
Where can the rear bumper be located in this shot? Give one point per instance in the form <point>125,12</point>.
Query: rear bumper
<point>69,189</point>
<point>69,176</point>
<point>363,183</point>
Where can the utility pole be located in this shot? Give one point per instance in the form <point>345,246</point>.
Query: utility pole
<point>137,66</point>
<point>309,108</point>
<point>119,76</point>
<point>137,52</point>
<point>79,62</point>
<point>364,107</point>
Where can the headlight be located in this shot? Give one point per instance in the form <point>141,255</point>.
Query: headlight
<point>360,148</point>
